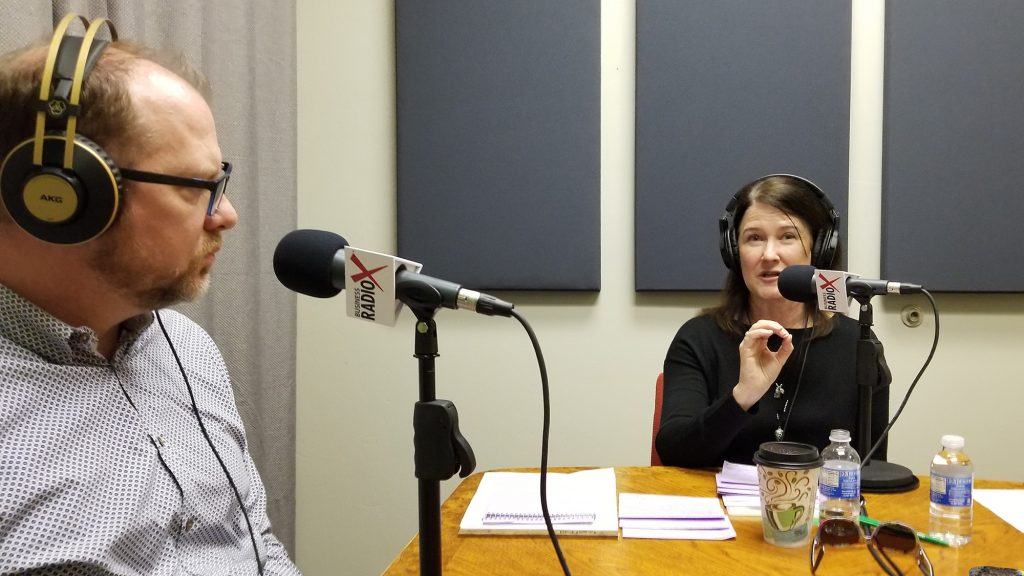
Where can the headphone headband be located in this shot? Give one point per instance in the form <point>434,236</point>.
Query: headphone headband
<point>59,100</point>
<point>44,87</point>
<point>88,53</point>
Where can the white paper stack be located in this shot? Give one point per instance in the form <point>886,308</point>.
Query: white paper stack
<point>581,504</point>
<point>737,484</point>
<point>1007,504</point>
<point>673,518</point>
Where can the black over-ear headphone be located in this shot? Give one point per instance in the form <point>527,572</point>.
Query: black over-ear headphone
<point>59,186</point>
<point>826,242</point>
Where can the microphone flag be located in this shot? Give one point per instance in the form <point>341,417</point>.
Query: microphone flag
<point>370,285</point>
<point>830,286</point>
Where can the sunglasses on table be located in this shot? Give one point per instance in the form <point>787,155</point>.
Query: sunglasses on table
<point>217,186</point>
<point>887,543</point>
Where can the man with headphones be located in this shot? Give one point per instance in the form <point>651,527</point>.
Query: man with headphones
<point>121,448</point>
<point>758,367</point>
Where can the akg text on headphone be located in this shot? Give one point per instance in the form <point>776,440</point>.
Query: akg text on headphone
<point>58,185</point>
<point>826,241</point>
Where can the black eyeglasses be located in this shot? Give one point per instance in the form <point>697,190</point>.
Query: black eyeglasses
<point>216,186</point>
<point>888,540</point>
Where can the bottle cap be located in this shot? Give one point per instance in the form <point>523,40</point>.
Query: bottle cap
<point>839,435</point>
<point>952,442</point>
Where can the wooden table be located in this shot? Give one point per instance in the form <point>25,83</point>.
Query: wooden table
<point>994,541</point>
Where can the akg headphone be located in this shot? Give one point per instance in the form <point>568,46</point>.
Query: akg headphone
<point>59,186</point>
<point>826,242</point>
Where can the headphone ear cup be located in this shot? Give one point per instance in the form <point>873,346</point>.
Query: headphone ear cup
<point>816,250</point>
<point>825,246</point>
<point>727,243</point>
<point>58,205</point>
<point>13,173</point>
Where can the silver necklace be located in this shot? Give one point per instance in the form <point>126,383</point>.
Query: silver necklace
<point>778,420</point>
<point>780,429</point>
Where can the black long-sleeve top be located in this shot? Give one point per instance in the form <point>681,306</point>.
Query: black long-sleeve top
<point>702,425</point>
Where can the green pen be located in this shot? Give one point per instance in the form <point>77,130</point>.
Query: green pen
<point>920,535</point>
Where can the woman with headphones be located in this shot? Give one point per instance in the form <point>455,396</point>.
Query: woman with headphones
<point>759,367</point>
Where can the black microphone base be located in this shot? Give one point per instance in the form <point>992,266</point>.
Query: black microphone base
<point>878,476</point>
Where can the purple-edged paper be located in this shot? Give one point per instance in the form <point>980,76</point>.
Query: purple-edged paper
<point>668,507</point>
<point>739,473</point>
<point>679,534</point>
<point>664,524</point>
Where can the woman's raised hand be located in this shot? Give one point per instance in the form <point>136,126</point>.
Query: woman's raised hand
<point>759,366</point>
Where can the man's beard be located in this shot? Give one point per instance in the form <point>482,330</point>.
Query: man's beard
<point>125,267</point>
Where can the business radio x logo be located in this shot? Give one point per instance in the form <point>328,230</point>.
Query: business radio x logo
<point>826,283</point>
<point>373,298</point>
<point>366,273</point>
<point>832,296</point>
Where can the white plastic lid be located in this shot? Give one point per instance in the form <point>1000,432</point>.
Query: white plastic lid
<point>840,435</point>
<point>952,442</point>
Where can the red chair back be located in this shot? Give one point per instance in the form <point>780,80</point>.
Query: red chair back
<point>658,393</point>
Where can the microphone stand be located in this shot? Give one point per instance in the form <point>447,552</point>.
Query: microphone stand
<point>440,450</point>
<point>875,475</point>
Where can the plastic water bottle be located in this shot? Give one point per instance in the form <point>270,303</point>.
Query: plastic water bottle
<point>952,481</point>
<point>839,481</point>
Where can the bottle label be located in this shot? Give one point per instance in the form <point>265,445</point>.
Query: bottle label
<point>837,483</point>
<point>951,490</point>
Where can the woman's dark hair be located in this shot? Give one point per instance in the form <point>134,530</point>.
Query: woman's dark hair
<point>795,198</point>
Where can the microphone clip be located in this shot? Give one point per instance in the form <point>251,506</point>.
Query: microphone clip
<point>440,448</point>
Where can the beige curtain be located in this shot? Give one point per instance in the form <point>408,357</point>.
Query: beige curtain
<point>247,49</point>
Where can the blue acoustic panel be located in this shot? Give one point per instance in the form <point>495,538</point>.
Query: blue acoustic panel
<point>953,208</point>
<point>499,141</point>
<point>728,91</point>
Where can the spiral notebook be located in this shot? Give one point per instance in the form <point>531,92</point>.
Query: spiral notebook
<point>538,517</point>
<point>581,503</point>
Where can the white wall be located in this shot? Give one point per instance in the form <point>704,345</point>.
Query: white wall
<point>356,501</point>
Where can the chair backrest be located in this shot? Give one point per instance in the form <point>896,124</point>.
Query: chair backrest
<point>659,387</point>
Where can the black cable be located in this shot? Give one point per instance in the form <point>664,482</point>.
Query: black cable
<point>544,442</point>
<point>931,353</point>
<point>231,481</point>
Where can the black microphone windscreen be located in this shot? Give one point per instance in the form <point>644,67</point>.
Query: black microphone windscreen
<point>796,283</point>
<point>303,261</point>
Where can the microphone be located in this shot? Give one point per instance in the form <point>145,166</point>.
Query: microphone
<point>312,262</point>
<point>802,283</point>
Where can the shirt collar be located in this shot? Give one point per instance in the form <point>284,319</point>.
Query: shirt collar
<point>36,330</point>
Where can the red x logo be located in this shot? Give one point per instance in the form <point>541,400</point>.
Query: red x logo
<point>366,273</point>
<point>825,282</point>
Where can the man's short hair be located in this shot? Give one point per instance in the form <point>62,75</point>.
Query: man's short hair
<point>107,113</point>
